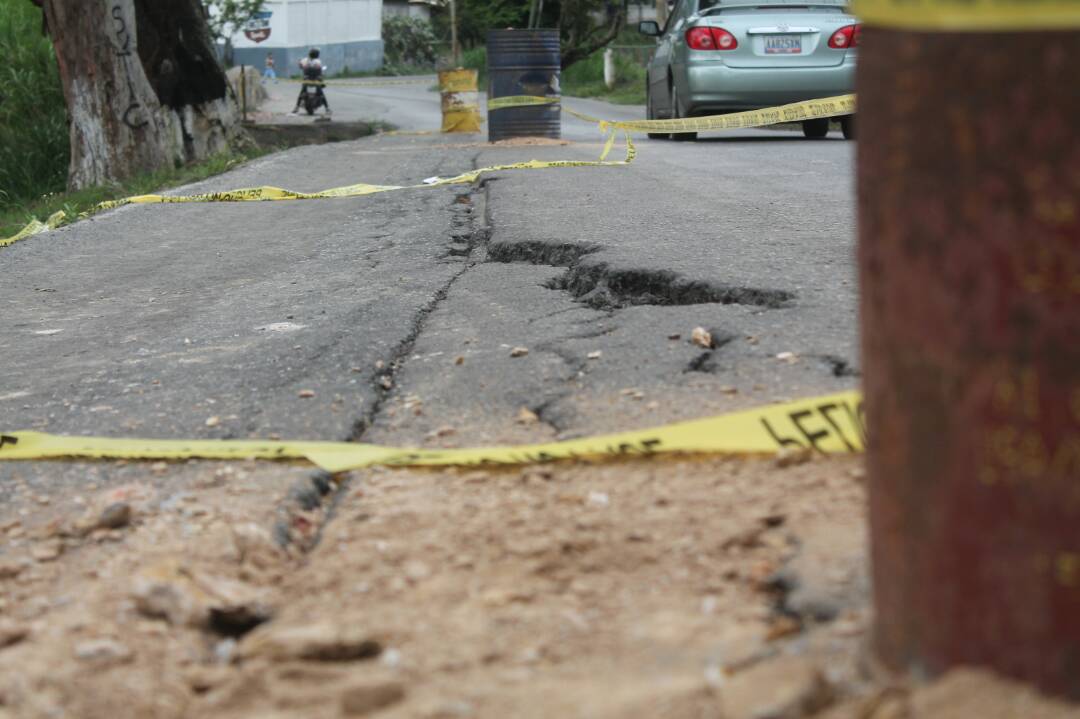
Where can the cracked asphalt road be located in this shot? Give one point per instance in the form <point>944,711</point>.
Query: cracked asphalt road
<point>151,320</point>
<point>585,589</point>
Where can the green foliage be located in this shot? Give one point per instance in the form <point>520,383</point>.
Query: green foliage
<point>14,217</point>
<point>408,41</point>
<point>34,148</point>
<point>476,17</point>
<point>476,59</point>
<point>228,16</point>
<point>584,25</point>
<point>585,78</point>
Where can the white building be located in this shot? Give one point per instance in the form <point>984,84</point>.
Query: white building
<point>411,8</point>
<point>348,34</point>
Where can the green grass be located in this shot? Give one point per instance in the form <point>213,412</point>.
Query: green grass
<point>586,79</point>
<point>34,151</point>
<point>475,58</point>
<point>14,217</point>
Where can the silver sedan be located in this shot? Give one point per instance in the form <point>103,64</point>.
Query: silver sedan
<point>719,56</point>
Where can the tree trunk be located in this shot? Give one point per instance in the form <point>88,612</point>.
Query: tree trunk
<point>143,86</point>
<point>573,20</point>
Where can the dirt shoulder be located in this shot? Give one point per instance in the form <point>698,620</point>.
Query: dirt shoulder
<point>569,590</point>
<point>664,588</point>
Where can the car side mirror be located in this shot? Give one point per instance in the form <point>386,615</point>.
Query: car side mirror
<point>649,27</point>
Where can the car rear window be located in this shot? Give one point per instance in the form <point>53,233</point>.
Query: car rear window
<point>743,7</point>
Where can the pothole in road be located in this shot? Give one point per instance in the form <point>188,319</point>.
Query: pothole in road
<point>602,287</point>
<point>605,288</point>
<point>554,254</point>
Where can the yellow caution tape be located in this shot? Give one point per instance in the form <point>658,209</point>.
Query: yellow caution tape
<point>269,193</point>
<point>807,110</point>
<point>35,227</point>
<point>832,424</point>
<point>825,107</point>
<point>499,103</point>
<point>970,15</point>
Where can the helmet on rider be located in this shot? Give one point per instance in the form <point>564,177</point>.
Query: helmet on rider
<point>313,53</point>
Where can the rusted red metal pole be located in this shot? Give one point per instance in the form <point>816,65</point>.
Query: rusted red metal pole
<point>969,252</point>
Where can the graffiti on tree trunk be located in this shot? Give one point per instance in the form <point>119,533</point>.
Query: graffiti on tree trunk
<point>133,115</point>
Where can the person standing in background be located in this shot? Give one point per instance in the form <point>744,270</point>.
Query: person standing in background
<point>269,73</point>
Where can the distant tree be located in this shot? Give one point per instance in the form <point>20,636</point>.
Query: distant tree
<point>142,84</point>
<point>226,17</point>
<point>586,26</point>
<point>476,17</point>
<point>408,41</point>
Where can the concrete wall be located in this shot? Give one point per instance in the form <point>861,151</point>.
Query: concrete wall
<point>402,7</point>
<point>347,32</point>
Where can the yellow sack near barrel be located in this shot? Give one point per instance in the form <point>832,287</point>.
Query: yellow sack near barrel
<point>460,101</point>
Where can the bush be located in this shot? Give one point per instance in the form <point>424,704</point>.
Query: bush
<point>34,149</point>
<point>591,70</point>
<point>476,59</point>
<point>585,78</point>
<point>408,41</point>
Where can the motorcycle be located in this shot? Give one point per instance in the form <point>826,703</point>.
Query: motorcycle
<point>313,95</point>
<point>313,98</point>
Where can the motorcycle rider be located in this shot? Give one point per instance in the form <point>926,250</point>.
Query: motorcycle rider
<point>312,68</point>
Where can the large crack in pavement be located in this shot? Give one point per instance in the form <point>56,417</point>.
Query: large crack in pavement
<point>604,287</point>
<point>639,315</point>
<point>527,571</point>
<point>600,286</point>
<point>312,502</point>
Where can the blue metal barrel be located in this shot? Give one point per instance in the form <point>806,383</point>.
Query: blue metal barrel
<point>523,62</point>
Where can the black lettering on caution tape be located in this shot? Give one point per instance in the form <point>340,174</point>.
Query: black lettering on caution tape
<point>782,441</point>
<point>824,409</point>
<point>857,415</point>
<point>817,424</point>
<point>645,446</point>
<point>7,439</point>
<point>812,436</point>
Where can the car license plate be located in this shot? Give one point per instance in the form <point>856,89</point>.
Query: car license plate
<point>783,44</point>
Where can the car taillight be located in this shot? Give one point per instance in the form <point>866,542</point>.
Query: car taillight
<point>710,38</point>
<point>724,39</point>
<point>845,37</point>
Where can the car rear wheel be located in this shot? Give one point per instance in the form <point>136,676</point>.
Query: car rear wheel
<point>847,125</point>
<point>677,113</point>
<point>816,129</point>
<point>650,114</point>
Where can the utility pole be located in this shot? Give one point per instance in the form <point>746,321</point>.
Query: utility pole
<point>969,254</point>
<point>536,14</point>
<point>455,49</point>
